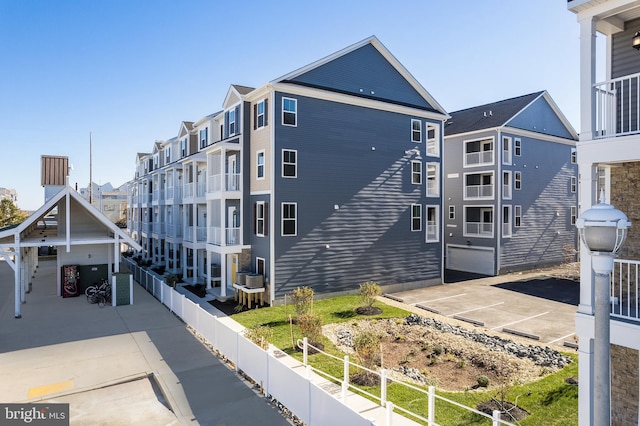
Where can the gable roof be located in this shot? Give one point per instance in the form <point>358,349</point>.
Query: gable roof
<point>295,77</point>
<point>243,90</point>
<point>236,93</point>
<point>487,116</point>
<point>30,235</point>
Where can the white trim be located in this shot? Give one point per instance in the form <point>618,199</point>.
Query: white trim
<point>481,173</point>
<point>510,223</point>
<point>282,219</point>
<point>414,173</point>
<point>437,180</point>
<point>509,139</point>
<point>295,164</point>
<point>516,132</point>
<point>517,173</point>
<point>419,131</point>
<point>263,192</point>
<point>414,218</point>
<point>517,207</point>
<point>258,203</point>
<point>284,98</point>
<point>482,208</point>
<point>510,173</point>
<point>437,132</point>
<point>437,223</point>
<point>480,139</point>
<point>449,212</point>
<point>517,147</point>
<point>264,165</point>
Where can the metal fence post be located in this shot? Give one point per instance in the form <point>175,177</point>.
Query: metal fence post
<point>431,414</point>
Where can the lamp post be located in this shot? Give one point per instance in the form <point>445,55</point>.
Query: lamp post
<point>603,230</point>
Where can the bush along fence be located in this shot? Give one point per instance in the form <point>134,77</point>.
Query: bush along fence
<point>274,371</point>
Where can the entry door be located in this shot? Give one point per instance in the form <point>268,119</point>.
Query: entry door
<point>231,174</point>
<point>233,223</point>
<point>232,260</point>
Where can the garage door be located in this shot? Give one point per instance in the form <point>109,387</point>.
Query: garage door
<point>478,260</point>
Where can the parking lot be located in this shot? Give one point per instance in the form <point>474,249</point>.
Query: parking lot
<point>533,306</point>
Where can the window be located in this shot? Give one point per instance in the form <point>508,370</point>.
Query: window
<point>416,217</point>
<point>517,184</point>
<point>506,185</point>
<point>478,221</point>
<point>167,154</point>
<point>289,163</point>
<point>433,140</point>
<point>452,212</point>
<point>183,147</point>
<point>506,150</point>
<point>156,160</point>
<point>574,156</point>
<point>289,219</point>
<point>574,214</point>
<point>260,114</point>
<point>517,216</point>
<point>204,137</point>
<point>574,184</point>
<point>432,224</point>
<point>478,186</point>
<point>416,172</point>
<point>506,221</point>
<point>260,165</point>
<point>478,152</point>
<point>232,122</point>
<point>289,111</point>
<point>260,215</point>
<point>416,130</point>
<point>260,266</point>
<point>433,181</point>
<point>517,151</point>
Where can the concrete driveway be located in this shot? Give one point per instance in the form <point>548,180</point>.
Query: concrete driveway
<point>529,305</point>
<point>120,365</point>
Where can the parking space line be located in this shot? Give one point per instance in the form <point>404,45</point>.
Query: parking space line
<point>561,338</point>
<point>476,309</point>
<point>441,298</point>
<point>524,319</point>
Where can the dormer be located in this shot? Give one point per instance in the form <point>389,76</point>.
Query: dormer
<point>155,159</point>
<point>184,138</point>
<point>232,105</point>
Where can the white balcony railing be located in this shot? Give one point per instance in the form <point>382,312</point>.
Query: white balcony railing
<point>187,190</point>
<point>479,157</point>
<point>232,182</point>
<point>231,235</point>
<point>506,192</point>
<point>158,228</point>
<point>174,231</point>
<point>617,107</point>
<point>201,188</point>
<point>196,234</point>
<point>479,191</point>
<point>478,228</point>
<point>625,289</point>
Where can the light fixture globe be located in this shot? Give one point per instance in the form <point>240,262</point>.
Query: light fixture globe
<point>635,41</point>
<point>603,229</point>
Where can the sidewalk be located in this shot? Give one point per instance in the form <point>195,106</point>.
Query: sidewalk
<point>116,365</point>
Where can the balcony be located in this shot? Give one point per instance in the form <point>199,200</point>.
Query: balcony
<point>481,229</point>
<point>158,228</point>
<point>478,191</point>
<point>231,235</point>
<point>231,182</point>
<point>617,107</point>
<point>196,234</point>
<point>625,290</point>
<point>174,231</point>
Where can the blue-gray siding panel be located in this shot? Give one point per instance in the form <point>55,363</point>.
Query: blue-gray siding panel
<point>364,68</point>
<point>539,117</point>
<point>624,59</point>
<point>369,235</point>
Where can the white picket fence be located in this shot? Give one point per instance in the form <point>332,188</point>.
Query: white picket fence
<point>295,390</point>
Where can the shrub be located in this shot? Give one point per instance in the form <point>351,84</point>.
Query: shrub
<point>367,348</point>
<point>483,381</point>
<point>302,298</point>
<point>310,327</point>
<point>368,293</point>
<point>260,335</point>
<point>437,350</point>
<point>172,280</point>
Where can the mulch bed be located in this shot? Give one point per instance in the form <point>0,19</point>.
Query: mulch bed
<point>199,290</point>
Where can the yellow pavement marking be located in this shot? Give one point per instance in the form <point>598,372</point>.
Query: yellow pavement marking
<point>49,389</point>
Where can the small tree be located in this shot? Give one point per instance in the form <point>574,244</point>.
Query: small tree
<point>367,348</point>
<point>10,214</point>
<point>310,327</point>
<point>260,335</point>
<point>368,293</point>
<point>302,298</point>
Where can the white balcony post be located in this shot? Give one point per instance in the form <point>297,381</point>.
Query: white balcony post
<point>587,77</point>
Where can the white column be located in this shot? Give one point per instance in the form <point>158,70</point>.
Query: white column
<point>207,272</point>
<point>585,373</point>
<point>17,262</point>
<point>587,189</point>
<point>24,266</point>
<point>587,77</point>
<point>116,254</point>
<point>223,275</point>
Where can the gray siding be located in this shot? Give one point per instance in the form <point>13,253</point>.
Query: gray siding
<point>369,236</point>
<point>259,245</point>
<point>364,72</point>
<point>624,58</point>
<point>539,117</point>
<point>546,200</point>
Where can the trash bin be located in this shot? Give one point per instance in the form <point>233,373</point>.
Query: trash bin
<point>122,289</point>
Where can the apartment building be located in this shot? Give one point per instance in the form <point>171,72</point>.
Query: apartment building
<point>510,182</point>
<point>326,177</point>
<point>609,159</point>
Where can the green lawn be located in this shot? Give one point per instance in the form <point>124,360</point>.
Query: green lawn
<point>550,401</point>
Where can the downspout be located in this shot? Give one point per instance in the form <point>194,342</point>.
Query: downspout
<point>16,271</point>
<point>272,204</point>
<point>497,183</point>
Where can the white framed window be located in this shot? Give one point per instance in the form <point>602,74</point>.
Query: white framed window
<point>261,266</point>
<point>260,114</point>
<point>517,216</point>
<point>289,112</point>
<point>506,150</point>
<point>506,221</point>
<point>574,184</point>
<point>167,155</point>
<point>260,164</point>
<point>506,185</point>
<point>573,214</point>
<point>517,180</point>
<point>452,212</point>
<point>517,147</point>
<point>416,172</point>
<point>260,214</point>
<point>478,221</point>
<point>433,224</point>
<point>416,217</point>
<point>183,147</point>
<point>478,152</point>
<point>232,122</point>
<point>433,179</point>
<point>416,130</point>
<point>289,163</point>
<point>289,219</point>
<point>204,133</point>
<point>433,140</point>
<point>156,160</point>
<point>574,156</point>
<point>478,186</point>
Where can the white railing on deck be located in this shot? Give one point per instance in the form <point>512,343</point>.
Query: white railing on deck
<point>624,289</point>
<point>617,107</point>
<point>280,378</point>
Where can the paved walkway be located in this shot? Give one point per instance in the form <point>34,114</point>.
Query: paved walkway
<point>121,365</point>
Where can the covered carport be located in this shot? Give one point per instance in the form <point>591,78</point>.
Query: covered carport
<point>81,234</point>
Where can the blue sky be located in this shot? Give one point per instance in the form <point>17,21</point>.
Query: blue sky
<point>130,71</point>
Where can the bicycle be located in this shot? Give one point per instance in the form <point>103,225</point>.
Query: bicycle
<point>100,294</point>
